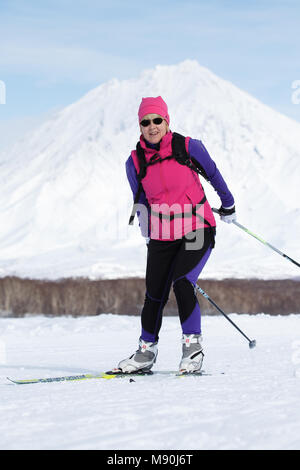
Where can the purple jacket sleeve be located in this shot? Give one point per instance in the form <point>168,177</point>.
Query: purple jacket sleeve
<point>199,153</point>
<point>133,181</point>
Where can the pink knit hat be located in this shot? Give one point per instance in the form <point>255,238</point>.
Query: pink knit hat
<point>154,106</point>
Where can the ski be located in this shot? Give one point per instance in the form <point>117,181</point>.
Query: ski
<point>59,379</point>
<point>73,378</point>
<point>118,372</point>
<point>112,374</point>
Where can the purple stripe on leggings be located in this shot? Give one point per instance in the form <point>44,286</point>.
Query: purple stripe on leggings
<point>192,324</point>
<point>193,275</point>
<point>146,336</point>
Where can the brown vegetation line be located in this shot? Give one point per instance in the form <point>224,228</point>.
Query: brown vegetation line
<point>125,296</point>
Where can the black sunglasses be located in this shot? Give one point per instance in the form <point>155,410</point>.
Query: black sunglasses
<point>146,122</point>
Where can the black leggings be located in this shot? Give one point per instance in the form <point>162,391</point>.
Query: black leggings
<point>171,262</point>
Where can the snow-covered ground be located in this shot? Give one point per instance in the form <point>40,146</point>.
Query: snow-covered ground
<point>254,405</point>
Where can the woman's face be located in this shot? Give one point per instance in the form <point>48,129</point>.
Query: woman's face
<point>154,132</point>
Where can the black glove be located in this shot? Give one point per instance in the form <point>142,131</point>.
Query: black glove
<point>228,215</point>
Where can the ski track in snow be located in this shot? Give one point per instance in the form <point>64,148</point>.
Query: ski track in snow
<point>255,405</point>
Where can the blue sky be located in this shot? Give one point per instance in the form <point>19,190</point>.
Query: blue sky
<point>54,51</point>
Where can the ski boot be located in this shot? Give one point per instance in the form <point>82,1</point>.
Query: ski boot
<point>192,354</point>
<point>142,360</point>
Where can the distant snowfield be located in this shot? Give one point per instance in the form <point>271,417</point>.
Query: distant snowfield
<point>65,200</point>
<point>254,405</point>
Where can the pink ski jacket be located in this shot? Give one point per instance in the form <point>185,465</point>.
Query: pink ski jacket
<point>173,194</point>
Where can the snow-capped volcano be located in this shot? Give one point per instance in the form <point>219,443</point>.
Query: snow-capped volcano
<point>65,200</point>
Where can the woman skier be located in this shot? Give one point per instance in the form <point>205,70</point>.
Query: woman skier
<point>179,227</point>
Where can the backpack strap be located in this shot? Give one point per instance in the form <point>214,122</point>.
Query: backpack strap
<point>179,149</point>
<point>142,161</point>
<point>142,173</point>
<point>180,153</point>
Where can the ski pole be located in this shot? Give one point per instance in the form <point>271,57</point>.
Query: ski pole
<point>260,239</point>
<point>252,343</point>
